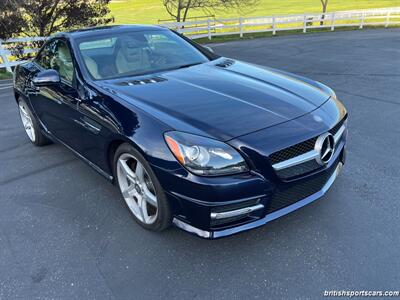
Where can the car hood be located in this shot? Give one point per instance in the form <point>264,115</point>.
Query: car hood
<point>222,99</point>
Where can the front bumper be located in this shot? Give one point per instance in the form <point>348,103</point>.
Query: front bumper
<point>215,219</point>
<point>269,217</point>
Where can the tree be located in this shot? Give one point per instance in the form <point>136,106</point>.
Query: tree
<point>11,21</point>
<point>45,17</point>
<point>178,9</point>
<point>324,9</point>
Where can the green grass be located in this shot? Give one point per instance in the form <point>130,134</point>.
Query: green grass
<point>251,36</point>
<point>4,74</point>
<point>150,11</point>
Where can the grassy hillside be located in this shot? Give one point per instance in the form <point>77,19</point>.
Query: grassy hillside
<point>150,11</point>
<point>4,74</point>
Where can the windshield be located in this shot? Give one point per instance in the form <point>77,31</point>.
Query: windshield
<point>137,53</point>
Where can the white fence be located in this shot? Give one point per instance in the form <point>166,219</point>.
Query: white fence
<point>209,28</point>
<point>27,49</point>
<point>239,26</point>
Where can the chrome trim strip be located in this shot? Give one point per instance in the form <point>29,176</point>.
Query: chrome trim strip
<point>310,155</point>
<point>339,134</point>
<point>313,154</point>
<point>192,229</point>
<point>236,212</point>
<point>215,203</point>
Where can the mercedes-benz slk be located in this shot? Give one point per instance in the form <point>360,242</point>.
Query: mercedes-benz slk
<point>211,144</point>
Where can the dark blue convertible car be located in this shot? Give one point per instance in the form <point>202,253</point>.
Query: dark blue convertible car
<point>211,144</point>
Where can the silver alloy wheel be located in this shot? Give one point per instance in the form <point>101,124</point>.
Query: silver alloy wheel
<point>27,122</point>
<point>137,188</point>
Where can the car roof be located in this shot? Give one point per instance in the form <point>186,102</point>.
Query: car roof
<point>93,31</point>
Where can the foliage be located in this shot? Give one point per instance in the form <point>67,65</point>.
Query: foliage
<point>11,21</point>
<point>4,74</point>
<point>45,17</point>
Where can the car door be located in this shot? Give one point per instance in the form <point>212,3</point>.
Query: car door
<point>66,109</point>
<point>56,104</point>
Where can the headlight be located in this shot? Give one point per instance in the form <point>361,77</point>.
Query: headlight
<point>204,156</point>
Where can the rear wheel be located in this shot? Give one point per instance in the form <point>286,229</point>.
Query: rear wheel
<point>140,189</point>
<point>31,126</point>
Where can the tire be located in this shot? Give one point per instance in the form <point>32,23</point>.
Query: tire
<point>137,188</point>
<point>31,125</point>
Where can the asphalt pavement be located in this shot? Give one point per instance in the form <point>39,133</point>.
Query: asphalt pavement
<point>66,234</point>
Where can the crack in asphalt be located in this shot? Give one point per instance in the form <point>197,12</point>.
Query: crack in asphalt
<point>8,245</point>
<point>4,150</point>
<point>34,172</point>
<point>368,97</point>
<point>348,74</point>
<point>104,244</point>
<point>25,156</point>
<point>6,129</point>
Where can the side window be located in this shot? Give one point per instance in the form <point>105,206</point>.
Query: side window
<point>46,55</point>
<point>56,55</point>
<point>62,62</point>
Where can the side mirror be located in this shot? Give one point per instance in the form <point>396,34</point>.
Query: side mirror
<point>209,49</point>
<point>47,77</point>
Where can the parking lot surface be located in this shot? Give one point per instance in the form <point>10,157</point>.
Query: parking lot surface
<point>66,234</point>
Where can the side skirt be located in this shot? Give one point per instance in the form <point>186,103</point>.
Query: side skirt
<point>94,166</point>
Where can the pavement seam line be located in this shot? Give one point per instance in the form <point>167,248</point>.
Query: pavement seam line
<point>369,98</point>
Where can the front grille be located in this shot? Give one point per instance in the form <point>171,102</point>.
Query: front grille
<point>293,151</point>
<point>300,148</point>
<point>335,129</point>
<point>300,169</point>
<point>299,191</point>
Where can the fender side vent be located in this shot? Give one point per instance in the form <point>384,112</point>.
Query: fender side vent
<point>226,63</point>
<point>143,81</point>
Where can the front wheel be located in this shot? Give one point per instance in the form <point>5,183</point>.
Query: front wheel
<point>31,125</point>
<point>140,189</point>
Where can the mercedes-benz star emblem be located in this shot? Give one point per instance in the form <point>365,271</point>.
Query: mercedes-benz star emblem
<point>325,147</point>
